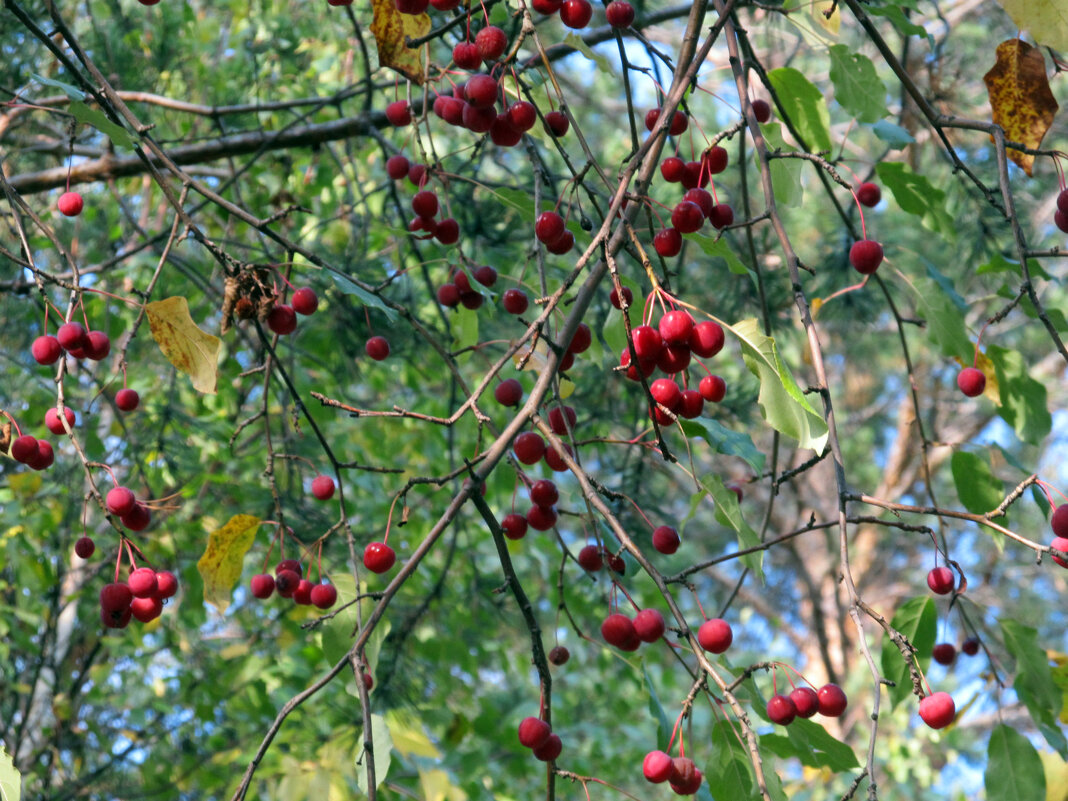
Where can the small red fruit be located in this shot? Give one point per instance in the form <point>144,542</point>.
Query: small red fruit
<point>619,14</point>
<point>833,700</point>
<point>715,635</point>
<point>481,91</point>
<point>305,301</point>
<point>282,319</point>
<point>866,255</point>
<point>166,585</point>
<point>657,767</point>
<point>466,56</point>
<point>671,169</point>
<point>24,449</point>
<point>302,595</point>
<point>70,204</point>
<point>289,564</point>
<point>54,423</point>
<point>781,710</point>
<point>649,625</point>
<point>557,123</point>
<point>397,167</point>
<point>721,216</point>
<point>938,710</point>
<point>806,701</point>
<point>576,13</point>
<point>138,518</point>
<point>515,301</point>
<point>120,501</point>
<point>529,447</point>
<point>666,539</point>
<point>550,749</point>
<point>509,392</point>
<point>628,296</point>
<point>1059,521</point>
<point>715,160</point>
<point>377,348</point>
<point>940,580</point>
<point>71,336</point>
<point>706,339</point>
<point>869,194</point>
<point>544,493</point>
<point>46,349</point>
<point>970,646</point>
<point>1059,544</point>
<point>676,327</point>
<point>687,217</point>
<point>559,655</point>
<point>324,596</point>
<point>146,609</point>
<point>667,242</point>
<point>378,557</point>
<point>143,582</point>
<point>398,113</point>
<point>115,597</point>
<point>618,630</point>
<point>971,381</point>
<point>84,547</point>
<point>322,487</point>
<point>761,110</point>
<point>491,42</point>
<point>127,400</point>
<point>691,404</point>
<point>712,388</point>
<point>541,518</point>
<point>589,558</point>
<point>944,653</point>
<point>534,732</point>
<point>447,231</point>
<point>262,586</point>
<point>514,526</point>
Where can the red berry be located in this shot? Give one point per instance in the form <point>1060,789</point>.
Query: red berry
<point>971,381</point>
<point>397,167</point>
<point>671,169</point>
<point>522,115</point>
<point>541,518</point>
<point>425,204</point>
<point>940,580</point>
<point>143,582</point>
<point>687,217</point>
<point>71,336</point>
<point>1059,521</point>
<point>471,300</point>
<point>486,275</point>
<point>305,301</point>
<point>282,319</point>
<point>491,42</point>
<point>54,423</point>
<point>84,547</point>
<point>562,419</point>
<point>120,501</point>
<point>761,110</point>
<point>146,609</point>
<point>715,160</point>
<point>302,595</point>
<point>556,461</point>
<point>1062,201</point>
<point>628,296</point>
<point>674,359</point>
<point>515,301</point>
<point>666,539</point>
<point>378,557</point>
<point>447,231</point>
<point>291,565</point>
<point>138,518</point>
<point>866,255</point>
<point>127,400</point>
<point>938,710</point>
<point>691,404</point>
<point>481,91</point>
<point>449,295</point>
<point>970,646</point>
<point>657,767</point>
<point>466,56</point>
<point>576,13</point>
<point>615,564</point>
<point>832,700</point>
<point>559,655</point>
<point>806,701</point>
<point>692,175</point>
<point>944,653</point>
<point>544,493</point>
<point>550,749</point>
<point>546,7</point>
<point>262,586</point>
<point>115,597</point>
<point>706,339</point>
<point>166,585</point>
<point>619,14</point>
<point>712,388</point>
<point>509,392</point>
<point>534,732</point>
<point>721,216</point>
<point>618,630</point>
<point>869,194</point>
<point>398,113</point>
<point>667,242</point>
<point>529,447</point>
<point>324,596</point>
<point>417,174</point>
<point>549,227</point>
<point>70,204</point>
<point>649,625</point>
<point>46,349</point>
<point>119,619</point>
<point>97,345</point>
<point>377,348</point>
<point>44,457</point>
<point>676,327</point>
<point>781,710</point>
<point>715,635</point>
<point>702,197</point>
<point>24,448</point>
<point>557,123</point>
<point>589,558</point>
<point>666,392</point>
<point>514,526</point>
<point>648,342</point>
<point>322,487</point>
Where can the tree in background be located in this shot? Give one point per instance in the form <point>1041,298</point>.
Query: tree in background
<point>443,401</point>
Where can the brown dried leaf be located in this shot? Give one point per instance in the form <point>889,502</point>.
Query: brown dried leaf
<point>390,27</point>
<point>1020,98</point>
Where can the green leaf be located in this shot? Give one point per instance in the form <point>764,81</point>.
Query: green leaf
<point>894,135</point>
<point>729,773</point>
<point>916,195</point>
<point>783,405</point>
<point>10,778</point>
<point>945,323</point>
<point>573,40</point>
<point>804,104</point>
<point>383,746</point>
<point>1014,770</point>
<point>894,13</point>
<point>724,440</point>
<point>729,513</point>
<point>719,249</point>
<point>349,287</point>
<point>856,85</point>
<point>917,620</point>
<point>811,743</point>
<point>73,92</point>
<point>977,487</point>
<point>1034,683</point>
<point>663,725</point>
<point>97,119</point>
<point>1023,399</point>
<point>785,173</point>
<point>465,328</point>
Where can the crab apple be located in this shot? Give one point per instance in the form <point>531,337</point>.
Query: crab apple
<point>449,295</point>
<point>305,301</point>
<point>544,493</point>
<point>866,255</point>
<point>411,6</point>
<point>514,526</point>
<point>24,448</point>
<point>486,275</point>
<point>562,245</point>
<point>806,701</point>
<point>712,388</point>
<point>702,197</point>
<point>1062,201</point>
<point>146,609</point>
<point>657,767</point>
<point>116,620</point>
<point>491,42</point>
<point>781,710</point>
<point>648,342</point>
<point>143,582</point>
<point>515,301</point>
<point>971,381</point>
<point>944,653</point>
<point>706,339</point>
<point>425,204</point>
<point>262,585</point>
<point>541,518</point>
<point>481,91</point>
<point>398,113</point>
<point>970,646</point>
<point>645,366</point>
<point>562,419</point>
<point>940,580</point>
<point>115,597</point>
<point>324,596</point>
<point>46,349</point>
<point>761,110</point>
<point>557,123</point>
<point>674,359</point>
<point>618,630</point>
<point>576,13</point>
<point>529,447</point>
<point>71,336</point>
<point>628,296</point>
<point>120,501</point>
<point>138,518</point>
<point>715,160</point>
<point>938,710</point>
<point>397,167</point>
<point>54,423</point>
<point>675,327</point>
<point>667,242</point>
<point>84,547</point>
<point>282,319</point>
<point>682,771</point>
<point>589,559</point>
<point>649,625</point>
<point>1059,521</point>
<point>522,115</point>
<point>378,557</point>
<point>721,216</point>
<point>666,539</point>
<point>166,585</point>
<point>687,217</point>
<point>693,175</point>
<point>302,595</point>
<point>869,194</point>
<point>715,635</point>
<point>97,345</point>
<point>377,348</point>
<point>833,700</point>
<point>509,392</point>
<point>127,399</point>
<point>666,392</point>
<point>466,56</point>
<point>672,168</point>
<point>581,340</point>
<point>533,732</point>
<point>289,564</point>
<point>70,204</point>
<point>550,749</point>
<point>691,404</point>
<point>559,655</point>
<point>662,417</point>
<point>619,13</point>
<point>555,460</point>
<point>447,231</point>
<point>44,457</point>
<point>322,487</point>
<point>417,174</point>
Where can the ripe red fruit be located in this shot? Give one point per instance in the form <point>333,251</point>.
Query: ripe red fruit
<point>289,564</point>
<point>1059,521</point>
<point>938,710</point>
<point>138,518</point>
<point>657,767</point>
<point>1060,219</point>
<point>127,400</point>
<point>666,539</point>
<point>715,160</point>
<point>712,388</point>
<point>302,595</point>
<point>447,231</point>
<point>166,585</point>
<point>24,449</point>
<point>534,732</point>
<point>619,14</point>
<point>397,167</point>
<point>503,133</point>
<point>687,217</point>
<point>561,419</point>
<point>322,487</point>
<point>559,655</point>
<point>692,175</point>
<point>146,609</point>
<point>715,635</point>
<point>549,227</point>
<point>702,197</point>
<point>324,596</point>
<point>515,301</point>
<point>671,169</point>
<point>691,404</point>
<point>675,327</point>
<point>721,216</point>
<point>529,447</point>
<point>546,6</point>
<point>398,113</point>
<point>486,275</point>
<point>262,586</point>
<point>866,255</point>
<point>449,295</point>
<point>674,359</point>
<point>940,580</point>
<point>282,319</point>
<point>70,204</point>
<point>761,110</point>
<point>467,56</point>
<point>514,526</point>
<point>806,701</point>
<point>481,91</point>
<point>869,194</point>
<point>54,423</point>
<point>544,493</point>
<point>618,630</point>
<point>120,501</point>
<point>550,749</point>
<point>615,563</point>
<point>305,301</point>
<point>425,204</point>
<point>491,42</point>
<point>522,115</point>
<point>666,392</point>
<point>556,461</point>
<point>971,381</point>
<point>97,345</point>
<point>509,392</point>
<point>541,518</point>
<point>557,123</point>
<point>562,245</point>
<point>120,619</point>
<point>143,582</point>
<point>667,242</point>
<point>377,348</point>
<point>46,349</point>
<point>706,339</point>
<point>44,457</point>
<point>970,646</point>
<point>944,653</point>
<point>648,342</point>
<point>84,547</point>
<point>115,597</point>
<point>581,340</point>
<point>378,557</point>
<point>649,625</point>
<point>628,296</point>
<point>833,700</point>
<point>781,710</point>
<point>683,771</point>
<point>71,336</point>
<point>576,13</point>
<point>417,174</point>
<point>1062,201</point>
<point>589,558</point>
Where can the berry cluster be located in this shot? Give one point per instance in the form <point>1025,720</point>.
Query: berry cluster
<point>289,581</point>
<point>141,596</point>
<point>538,736</point>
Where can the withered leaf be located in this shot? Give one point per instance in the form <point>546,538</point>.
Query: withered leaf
<point>1020,98</point>
<point>390,27</point>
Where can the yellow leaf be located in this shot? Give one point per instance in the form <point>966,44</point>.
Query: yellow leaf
<point>1046,20</point>
<point>187,347</point>
<point>390,27</point>
<point>1020,99</point>
<point>567,388</point>
<point>830,24</point>
<point>220,566</point>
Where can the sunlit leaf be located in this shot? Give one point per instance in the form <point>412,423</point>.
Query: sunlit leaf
<point>1020,98</point>
<point>383,746</point>
<point>804,104</point>
<point>1034,683</point>
<point>10,779</point>
<point>390,29</point>
<point>916,619</point>
<point>1045,20</point>
<point>1023,398</point>
<point>856,85</point>
<point>1013,770</point>
<point>97,119</point>
<point>220,566</point>
<point>977,487</point>
<point>191,350</point>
